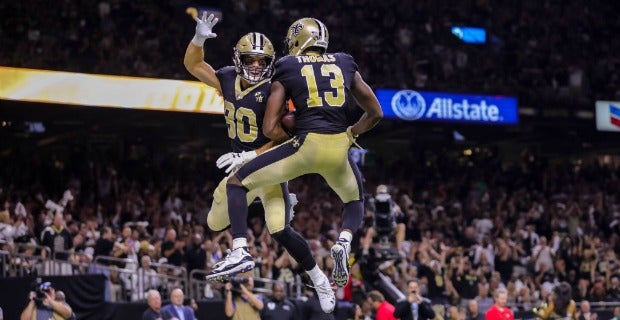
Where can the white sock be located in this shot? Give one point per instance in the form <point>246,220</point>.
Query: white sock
<point>239,243</point>
<point>315,274</point>
<point>346,235</point>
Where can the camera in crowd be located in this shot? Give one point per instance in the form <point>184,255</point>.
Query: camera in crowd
<point>384,210</point>
<point>384,214</point>
<point>236,284</point>
<point>41,290</point>
<point>237,281</point>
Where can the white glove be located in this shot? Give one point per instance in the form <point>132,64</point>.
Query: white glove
<point>234,160</point>
<point>292,198</point>
<point>204,26</point>
<point>352,137</point>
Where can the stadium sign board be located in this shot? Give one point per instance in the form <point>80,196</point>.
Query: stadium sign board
<point>413,105</point>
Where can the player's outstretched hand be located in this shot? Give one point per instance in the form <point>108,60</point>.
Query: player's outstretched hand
<point>204,28</point>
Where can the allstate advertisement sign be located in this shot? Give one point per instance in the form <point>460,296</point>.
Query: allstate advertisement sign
<point>608,115</point>
<point>413,105</point>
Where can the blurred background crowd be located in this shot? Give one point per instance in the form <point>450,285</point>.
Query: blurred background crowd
<point>545,52</point>
<point>472,222</point>
<point>472,225</point>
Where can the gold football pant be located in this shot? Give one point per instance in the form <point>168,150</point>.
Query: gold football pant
<point>324,154</point>
<point>273,197</point>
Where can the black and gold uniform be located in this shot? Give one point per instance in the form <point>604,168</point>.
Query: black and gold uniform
<point>319,87</point>
<point>244,111</point>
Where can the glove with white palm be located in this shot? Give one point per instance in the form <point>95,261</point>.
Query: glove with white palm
<point>234,160</point>
<point>204,26</point>
<point>292,198</point>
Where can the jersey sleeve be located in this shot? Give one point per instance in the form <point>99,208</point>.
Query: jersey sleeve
<point>223,74</point>
<point>348,66</point>
<point>280,69</point>
<point>348,59</point>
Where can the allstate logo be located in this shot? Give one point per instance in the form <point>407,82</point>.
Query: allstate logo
<point>408,105</point>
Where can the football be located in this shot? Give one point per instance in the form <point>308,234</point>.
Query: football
<point>288,122</point>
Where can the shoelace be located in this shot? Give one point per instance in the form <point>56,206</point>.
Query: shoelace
<point>219,263</point>
<point>322,288</point>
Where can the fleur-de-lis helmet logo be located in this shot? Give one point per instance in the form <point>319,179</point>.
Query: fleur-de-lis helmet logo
<point>296,28</point>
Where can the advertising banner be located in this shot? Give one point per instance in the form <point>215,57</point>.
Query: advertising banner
<point>413,105</point>
<point>608,115</point>
<point>108,91</point>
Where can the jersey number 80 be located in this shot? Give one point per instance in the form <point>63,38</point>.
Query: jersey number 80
<point>246,131</point>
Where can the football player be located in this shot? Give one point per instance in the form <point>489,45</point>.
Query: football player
<point>322,86</point>
<point>245,88</point>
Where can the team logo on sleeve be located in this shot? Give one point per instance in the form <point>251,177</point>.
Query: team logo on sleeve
<point>408,105</point>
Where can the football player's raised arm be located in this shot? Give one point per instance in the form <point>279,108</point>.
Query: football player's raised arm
<point>194,54</point>
<point>272,127</point>
<point>195,64</point>
<point>367,100</point>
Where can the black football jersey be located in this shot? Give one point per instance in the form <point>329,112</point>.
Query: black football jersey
<point>319,86</point>
<point>244,110</point>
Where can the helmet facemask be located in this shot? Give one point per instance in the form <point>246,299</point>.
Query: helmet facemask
<point>248,70</point>
<point>251,48</point>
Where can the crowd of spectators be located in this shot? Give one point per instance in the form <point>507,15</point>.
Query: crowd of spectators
<point>473,224</point>
<point>548,52</point>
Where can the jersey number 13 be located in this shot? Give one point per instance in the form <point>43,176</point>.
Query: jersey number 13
<point>336,81</point>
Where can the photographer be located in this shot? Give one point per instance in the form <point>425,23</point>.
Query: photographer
<point>43,305</point>
<point>241,303</point>
<point>60,297</point>
<point>415,303</point>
